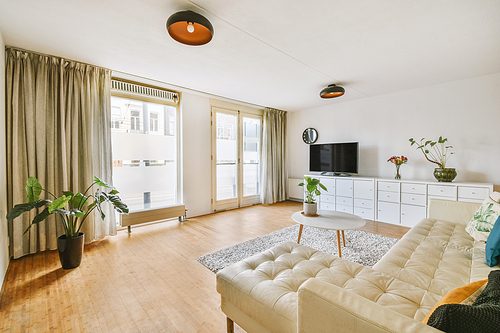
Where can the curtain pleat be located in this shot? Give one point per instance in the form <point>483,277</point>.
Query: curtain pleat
<point>57,113</point>
<point>274,162</point>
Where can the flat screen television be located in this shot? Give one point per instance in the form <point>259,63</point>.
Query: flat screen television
<point>337,158</point>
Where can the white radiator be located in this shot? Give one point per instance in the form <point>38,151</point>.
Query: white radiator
<point>152,215</point>
<point>295,192</point>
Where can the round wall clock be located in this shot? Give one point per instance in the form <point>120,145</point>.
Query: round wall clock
<point>310,135</point>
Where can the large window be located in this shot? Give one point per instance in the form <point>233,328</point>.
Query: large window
<point>144,152</point>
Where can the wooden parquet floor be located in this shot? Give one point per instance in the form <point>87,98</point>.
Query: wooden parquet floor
<point>148,281</point>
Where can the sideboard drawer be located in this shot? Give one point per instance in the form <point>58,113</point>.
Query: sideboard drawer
<point>363,189</point>
<point>478,193</point>
<point>413,199</point>
<point>326,206</point>
<point>343,201</point>
<point>413,188</point>
<point>327,198</point>
<point>363,203</point>
<point>344,187</point>
<point>345,209</point>
<point>442,191</point>
<point>411,215</point>
<point>365,213</point>
<point>388,186</point>
<point>329,184</point>
<point>388,212</point>
<point>388,196</point>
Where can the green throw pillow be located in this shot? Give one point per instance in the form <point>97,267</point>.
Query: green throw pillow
<point>485,217</point>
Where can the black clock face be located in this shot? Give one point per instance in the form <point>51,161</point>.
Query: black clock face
<point>310,135</point>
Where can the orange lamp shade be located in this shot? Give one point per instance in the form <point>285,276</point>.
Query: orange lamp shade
<point>190,28</point>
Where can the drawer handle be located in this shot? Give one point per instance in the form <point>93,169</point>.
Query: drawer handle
<point>412,198</point>
<point>473,192</point>
<point>440,190</point>
<point>412,188</point>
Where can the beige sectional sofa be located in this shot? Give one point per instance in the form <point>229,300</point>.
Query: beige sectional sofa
<point>293,288</point>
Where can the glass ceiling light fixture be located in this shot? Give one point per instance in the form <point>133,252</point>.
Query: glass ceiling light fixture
<point>332,91</point>
<point>190,28</point>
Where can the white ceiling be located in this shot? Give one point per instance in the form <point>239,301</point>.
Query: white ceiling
<point>277,53</point>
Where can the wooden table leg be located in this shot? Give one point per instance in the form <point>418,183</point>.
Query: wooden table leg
<point>300,233</point>
<point>230,325</point>
<point>338,243</point>
<point>343,238</point>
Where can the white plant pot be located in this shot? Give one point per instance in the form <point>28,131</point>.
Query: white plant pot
<point>310,208</point>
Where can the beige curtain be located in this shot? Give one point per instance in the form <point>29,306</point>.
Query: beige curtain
<point>274,166</point>
<point>58,130</point>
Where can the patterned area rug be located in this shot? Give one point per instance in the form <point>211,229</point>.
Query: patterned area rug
<point>362,247</point>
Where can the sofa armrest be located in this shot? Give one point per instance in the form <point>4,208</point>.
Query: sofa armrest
<point>452,211</point>
<point>323,307</point>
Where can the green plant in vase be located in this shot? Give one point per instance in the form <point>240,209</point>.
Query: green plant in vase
<point>312,190</point>
<point>73,209</point>
<point>437,152</point>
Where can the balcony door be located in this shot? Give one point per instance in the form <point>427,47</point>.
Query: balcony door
<point>236,138</point>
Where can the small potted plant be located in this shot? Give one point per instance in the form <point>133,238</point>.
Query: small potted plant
<point>312,190</point>
<point>70,245</point>
<point>437,152</point>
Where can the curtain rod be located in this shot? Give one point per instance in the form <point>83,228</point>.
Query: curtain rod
<point>51,55</point>
<point>138,76</point>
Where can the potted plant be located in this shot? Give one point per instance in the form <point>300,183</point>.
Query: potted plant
<point>437,152</point>
<point>312,190</point>
<point>79,207</point>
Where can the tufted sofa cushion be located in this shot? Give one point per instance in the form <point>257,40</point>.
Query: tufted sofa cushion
<point>437,256</point>
<point>265,286</point>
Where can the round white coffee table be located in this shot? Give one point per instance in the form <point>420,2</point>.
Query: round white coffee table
<point>332,220</point>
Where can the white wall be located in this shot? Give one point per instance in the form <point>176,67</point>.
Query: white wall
<point>4,240</point>
<point>196,150</point>
<point>467,112</point>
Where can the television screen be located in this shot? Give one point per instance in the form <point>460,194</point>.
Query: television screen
<point>334,157</point>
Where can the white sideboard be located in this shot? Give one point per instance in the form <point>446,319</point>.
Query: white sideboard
<point>402,202</point>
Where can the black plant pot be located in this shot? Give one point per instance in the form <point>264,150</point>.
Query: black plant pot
<point>70,250</point>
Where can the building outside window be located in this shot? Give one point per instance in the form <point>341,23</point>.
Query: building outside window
<point>153,122</point>
<point>135,120</point>
<point>145,163</point>
<point>115,117</point>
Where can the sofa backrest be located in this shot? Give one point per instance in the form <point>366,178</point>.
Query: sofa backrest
<point>452,211</point>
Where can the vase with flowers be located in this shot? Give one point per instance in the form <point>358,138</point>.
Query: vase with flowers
<point>398,161</point>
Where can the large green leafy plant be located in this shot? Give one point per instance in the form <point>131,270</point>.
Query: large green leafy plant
<point>312,186</point>
<point>73,208</point>
<point>434,151</point>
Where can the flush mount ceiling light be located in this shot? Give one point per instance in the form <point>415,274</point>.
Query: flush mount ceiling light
<point>332,91</point>
<point>190,28</point>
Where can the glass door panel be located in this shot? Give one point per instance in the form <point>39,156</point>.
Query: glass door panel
<point>236,159</point>
<point>251,156</point>
<point>227,155</point>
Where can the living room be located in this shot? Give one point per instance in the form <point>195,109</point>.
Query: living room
<point>409,71</point>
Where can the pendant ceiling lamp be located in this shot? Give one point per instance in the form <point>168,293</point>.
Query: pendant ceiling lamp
<point>190,28</point>
<point>332,91</point>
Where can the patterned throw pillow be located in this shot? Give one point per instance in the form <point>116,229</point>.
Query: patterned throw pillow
<point>484,219</point>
